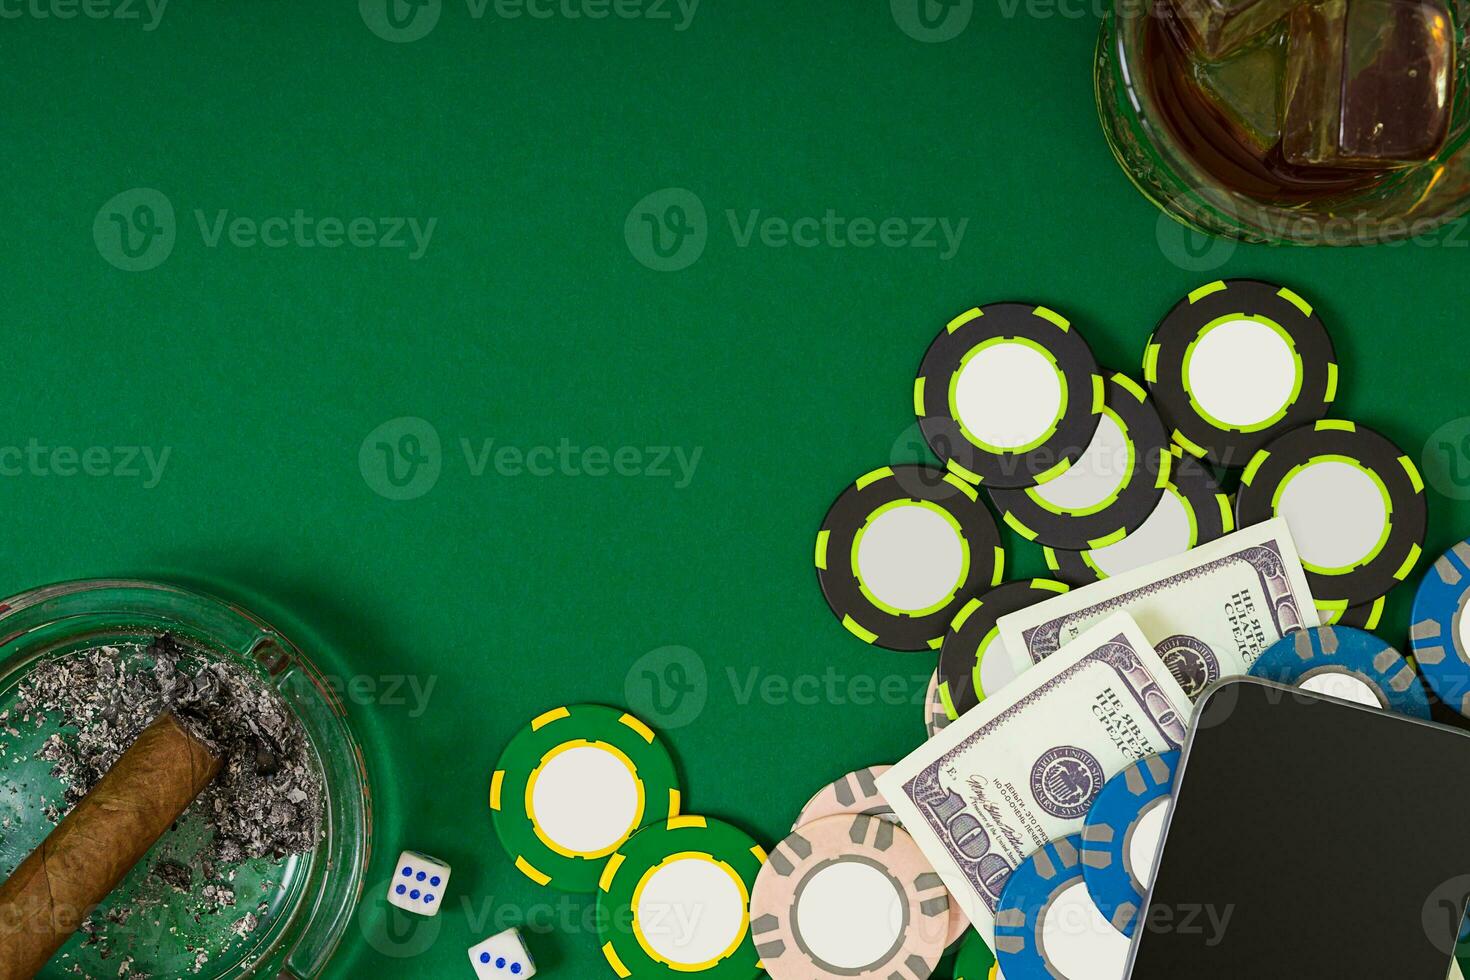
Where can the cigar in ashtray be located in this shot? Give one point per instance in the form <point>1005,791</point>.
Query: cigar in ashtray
<point>105,835</point>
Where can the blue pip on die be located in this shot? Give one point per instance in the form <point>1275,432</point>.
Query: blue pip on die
<point>418,883</point>
<point>502,957</point>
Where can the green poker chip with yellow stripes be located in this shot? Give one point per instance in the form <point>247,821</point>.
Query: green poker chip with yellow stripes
<point>674,901</point>
<point>1008,395</point>
<point>575,785</point>
<point>901,550</point>
<point>1236,363</point>
<point>1110,491</point>
<point>1193,511</point>
<point>975,960</point>
<point>1354,503</point>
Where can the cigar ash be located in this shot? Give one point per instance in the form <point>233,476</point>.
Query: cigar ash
<point>216,877</point>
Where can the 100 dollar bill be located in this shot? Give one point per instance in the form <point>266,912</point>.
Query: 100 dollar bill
<point>1208,612</point>
<point>1023,767</point>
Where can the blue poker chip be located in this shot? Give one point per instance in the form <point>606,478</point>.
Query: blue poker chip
<point>1438,627</point>
<point>1346,663</point>
<point>1121,835</point>
<point>1046,925</point>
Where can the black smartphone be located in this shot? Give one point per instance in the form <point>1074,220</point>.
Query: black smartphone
<point>1309,838</point>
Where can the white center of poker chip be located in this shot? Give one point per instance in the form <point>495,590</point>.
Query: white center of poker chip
<point>1144,841</point>
<point>910,558</point>
<point>849,914</point>
<point>1237,349</point>
<point>997,667</point>
<point>1097,476</point>
<point>585,800</point>
<point>691,911</point>
<point>1336,513</point>
<point>1164,534</point>
<point>1078,942</point>
<point>1348,687</point>
<point>1008,395</point>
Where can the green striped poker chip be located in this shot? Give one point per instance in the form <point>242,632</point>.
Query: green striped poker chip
<point>573,786</point>
<point>1237,363</point>
<point>1192,511</point>
<point>1354,503</point>
<point>974,662</point>
<point>901,550</point>
<point>1008,394</point>
<point>1110,491</point>
<point>974,961</point>
<point>1366,616</point>
<point>674,901</point>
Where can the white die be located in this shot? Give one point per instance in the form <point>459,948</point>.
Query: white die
<point>418,883</point>
<point>502,957</point>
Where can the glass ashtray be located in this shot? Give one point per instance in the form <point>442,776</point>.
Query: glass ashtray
<point>296,907</point>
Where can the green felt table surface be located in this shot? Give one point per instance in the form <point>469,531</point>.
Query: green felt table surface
<point>630,457</point>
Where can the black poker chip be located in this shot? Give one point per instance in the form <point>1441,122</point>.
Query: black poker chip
<point>1366,616</point>
<point>1008,395</point>
<point>1110,491</point>
<point>1354,503</point>
<point>902,550</point>
<point>973,663</point>
<point>1237,363</point>
<point>1192,511</point>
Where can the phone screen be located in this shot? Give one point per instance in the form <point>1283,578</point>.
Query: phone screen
<point>1309,838</point>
